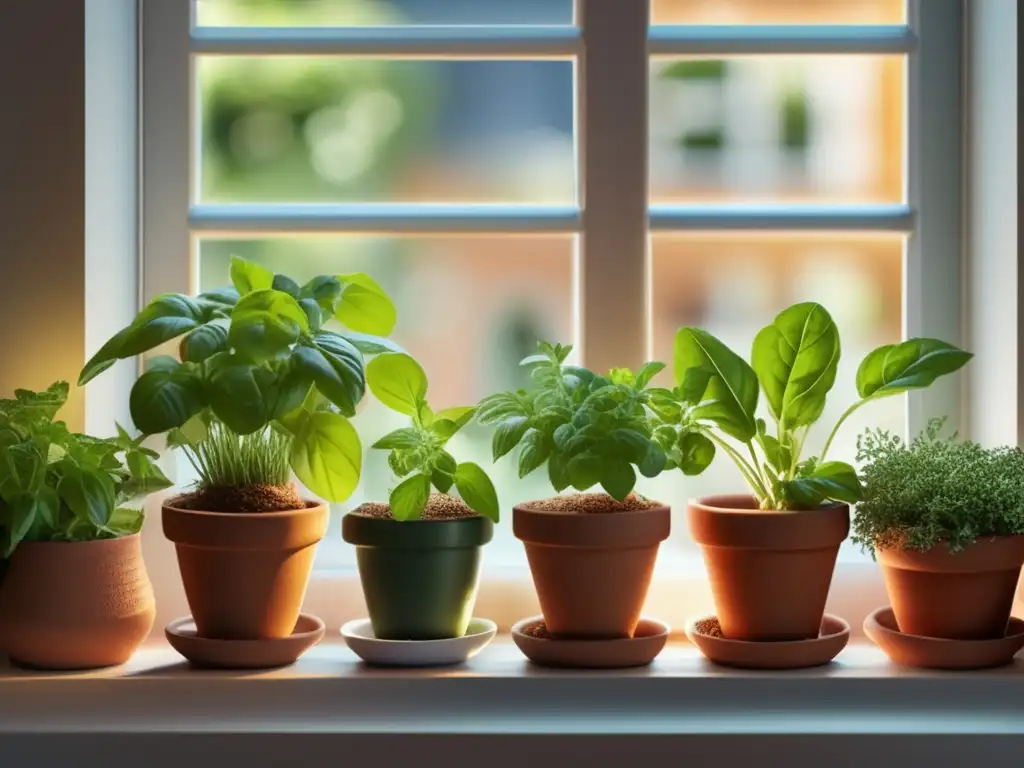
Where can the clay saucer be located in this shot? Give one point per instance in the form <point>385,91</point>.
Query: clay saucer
<point>706,634</point>
<point>244,654</point>
<point>359,637</point>
<point>614,653</point>
<point>940,653</point>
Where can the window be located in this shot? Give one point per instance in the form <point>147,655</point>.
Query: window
<point>599,172</point>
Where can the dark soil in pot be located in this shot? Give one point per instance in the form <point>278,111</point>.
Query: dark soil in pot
<point>591,558</point>
<point>245,573</point>
<point>770,571</point>
<point>966,595</point>
<point>419,577</point>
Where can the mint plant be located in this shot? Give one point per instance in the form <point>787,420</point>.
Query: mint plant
<point>590,429</point>
<point>261,383</point>
<point>794,362</point>
<point>418,453</point>
<point>56,485</point>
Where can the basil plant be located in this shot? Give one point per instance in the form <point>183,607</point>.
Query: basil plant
<point>256,360</point>
<point>793,362</point>
<point>418,453</point>
<point>57,485</point>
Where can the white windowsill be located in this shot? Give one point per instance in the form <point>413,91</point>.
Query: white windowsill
<point>498,693</point>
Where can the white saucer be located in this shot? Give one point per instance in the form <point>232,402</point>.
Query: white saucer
<point>358,635</point>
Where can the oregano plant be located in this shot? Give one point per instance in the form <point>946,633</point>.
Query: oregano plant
<point>259,383</point>
<point>418,453</point>
<point>589,429</point>
<point>794,361</point>
<point>58,485</point>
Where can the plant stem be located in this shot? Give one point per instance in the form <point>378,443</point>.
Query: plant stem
<point>748,472</point>
<point>835,429</point>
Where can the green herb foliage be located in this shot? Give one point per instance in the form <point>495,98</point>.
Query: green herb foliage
<point>936,490</point>
<point>256,360</point>
<point>418,452</point>
<point>793,362</point>
<point>56,485</point>
<point>590,429</point>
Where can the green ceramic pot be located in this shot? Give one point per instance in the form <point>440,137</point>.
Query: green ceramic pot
<point>420,576</point>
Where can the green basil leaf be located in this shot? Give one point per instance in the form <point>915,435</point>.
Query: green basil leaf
<point>696,452</point>
<point>653,462</point>
<point>398,382</point>
<point>648,372</point>
<point>203,342</point>
<point>287,285</point>
<point>477,490</point>
<point>558,472</point>
<point>507,435</point>
<point>241,395</point>
<point>796,358</point>
<point>618,479</point>
<point>400,438</point>
<point>325,290</point>
<point>248,277</point>
<point>22,514</point>
<point>627,445</point>
<point>369,344</point>
<point>410,497</point>
<point>585,471</point>
<point>534,451</point>
<point>336,367</point>
<point>164,399</point>
<point>225,297</point>
<point>364,306</point>
<point>563,435</point>
<point>314,314</point>
<point>104,358</point>
<point>460,415</point>
<point>443,482</point>
<point>326,454</point>
<point>828,480</point>
<point>88,494</point>
<point>125,521</point>
<point>912,364</point>
<point>730,400</point>
<point>265,323</point>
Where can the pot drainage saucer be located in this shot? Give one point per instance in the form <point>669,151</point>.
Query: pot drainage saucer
<point>611,653</point>
<point>359,637</point>
<point>706,634</point>
<point>244,654</point>
<point>941,653</point>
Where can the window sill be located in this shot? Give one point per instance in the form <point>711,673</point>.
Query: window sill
<point>498,693</point>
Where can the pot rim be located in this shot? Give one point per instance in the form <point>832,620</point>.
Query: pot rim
<point>107,541</point>
<point>708,504</point>
<point>603,530</point>
<point>460,533</point>
<point>286,529</point>
<point>737,527</point>
<point>312,506</point>
<point>986,553</point>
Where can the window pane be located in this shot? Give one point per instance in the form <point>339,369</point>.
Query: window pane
<point>778,12</point>
<point>469,308</point>
<point>779,128</point>
<point>359,13</point>
<point>340,129</point>
<point>735,285</point>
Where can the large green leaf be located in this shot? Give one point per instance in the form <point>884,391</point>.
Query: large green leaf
<point>912,364</point>
<point>398,382</point>
<point>164,399</point>
<point>89,494</point>
<point>507,435</point>
<point>265,323</point>
<point>104,358</point>
<point>730,400</point>
<point>369,344</point>
<point>166,317</point>
<point>242,395</point>
<point>325,290</point>
<point>205,341</point>
<point>829,480</point>
<point>796,358</point>
<point>22,514</point>
<point>248,277</point>
<point>364,306</point>
<point>410,497</point>
<point>534,451</point>
<point>336,367</point>
<point>695,452</point>
<point>326,454</point>
<point>618,478</point>
<point>477,490</point>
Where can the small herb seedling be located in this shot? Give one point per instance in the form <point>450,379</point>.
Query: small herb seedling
<point>794,362</point>
<point>418,453</point>
<point>590,429</point>
<point>56,485</point>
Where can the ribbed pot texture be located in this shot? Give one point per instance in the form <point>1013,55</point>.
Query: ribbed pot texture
<point>419,577</point>
<point>76,605</point>
<point>962,596</point>
<point>245,575</point>
<point>591,571</point>
<point>770,571</point>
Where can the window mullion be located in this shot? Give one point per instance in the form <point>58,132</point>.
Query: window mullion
<point>611,93</point>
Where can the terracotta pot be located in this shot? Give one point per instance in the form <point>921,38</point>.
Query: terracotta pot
<point>419,577</point>
<point>770,571</point>
<point>245,575</point>
<point>76,605</point>
<point>591,571</point>
<point>963,596</point>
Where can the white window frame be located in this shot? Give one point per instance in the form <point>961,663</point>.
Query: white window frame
<point>612,45</point>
